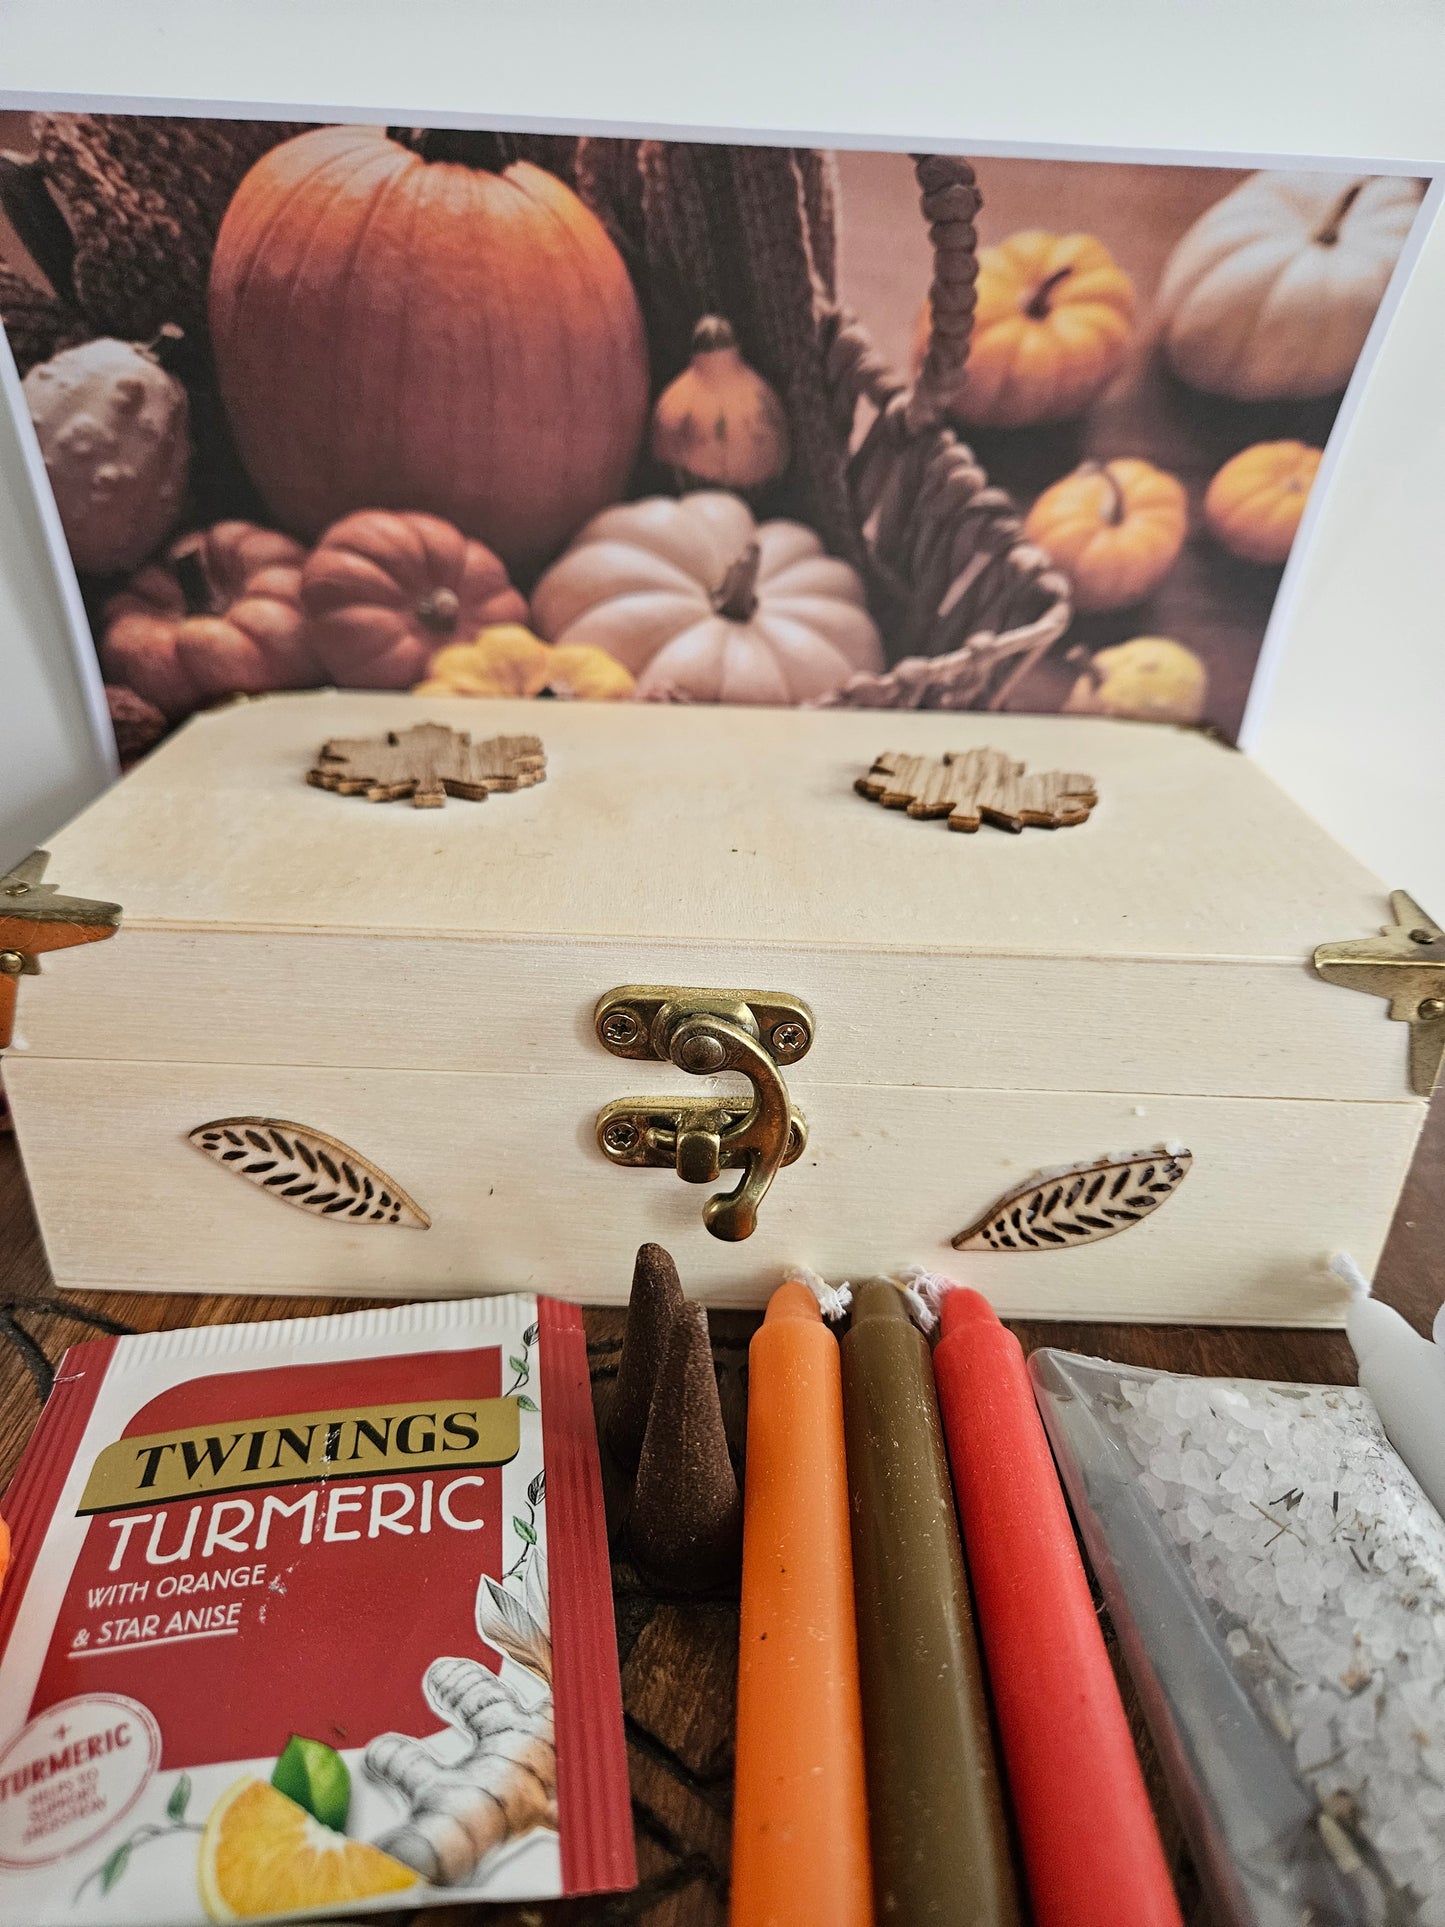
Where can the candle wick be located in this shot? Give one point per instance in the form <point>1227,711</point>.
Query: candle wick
<point>924,1290</point>
<point>833,1300</point>
<point>1344,1268</point>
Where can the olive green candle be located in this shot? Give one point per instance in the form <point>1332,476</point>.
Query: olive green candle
<point>936,1818</point>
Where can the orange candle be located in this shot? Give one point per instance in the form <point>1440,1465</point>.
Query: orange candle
<point>800,1816</point>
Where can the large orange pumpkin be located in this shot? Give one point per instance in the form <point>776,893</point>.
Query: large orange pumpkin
<point>1052,328</point>
<point>384,591</point>
<point>394,330</point>
<point>1117,528</point>
<point>219,616</point>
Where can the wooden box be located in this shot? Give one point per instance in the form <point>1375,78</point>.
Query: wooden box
<point>423,984</point>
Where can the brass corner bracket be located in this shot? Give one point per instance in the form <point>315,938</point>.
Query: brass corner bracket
<point>1405,963</point>
<point>35,917</point>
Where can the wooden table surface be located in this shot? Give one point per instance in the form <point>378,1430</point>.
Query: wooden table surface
<point>679,1659</point>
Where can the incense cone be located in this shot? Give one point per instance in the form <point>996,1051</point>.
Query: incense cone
<point>656,1297</point>
<point>687,1515</point>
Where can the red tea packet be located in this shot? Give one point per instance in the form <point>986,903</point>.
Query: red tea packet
<point>312,1618</point>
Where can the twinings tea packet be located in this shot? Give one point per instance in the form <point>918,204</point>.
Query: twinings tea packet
<point>309,1619</point>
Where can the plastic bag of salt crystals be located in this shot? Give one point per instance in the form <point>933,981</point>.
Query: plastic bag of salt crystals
<point>1277,1580</point>
<point>312,1618</point>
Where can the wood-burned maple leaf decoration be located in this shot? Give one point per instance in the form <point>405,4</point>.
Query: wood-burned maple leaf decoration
<point>428,763</point>
<point>1079,1204</point>
<point>974,786</point>
<point>310,1169</point>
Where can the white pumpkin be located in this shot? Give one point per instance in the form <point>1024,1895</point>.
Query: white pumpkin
<point>1270,294</point>
<point>113,430</point>
<point>703,604</point>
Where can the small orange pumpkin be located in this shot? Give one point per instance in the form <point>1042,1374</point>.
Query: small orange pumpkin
<point>1255,502</point>
<point>384,590</point>
<point>1116,527</point>
<point>220,616</point>
<point>1052,327</point>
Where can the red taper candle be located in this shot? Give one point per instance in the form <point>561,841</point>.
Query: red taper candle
<point>1090,1846</point>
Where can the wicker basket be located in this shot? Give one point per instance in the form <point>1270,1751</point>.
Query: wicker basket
<point>966,606</point>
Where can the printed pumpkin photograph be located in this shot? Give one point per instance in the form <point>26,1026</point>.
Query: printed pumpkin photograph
<point>477,414</point>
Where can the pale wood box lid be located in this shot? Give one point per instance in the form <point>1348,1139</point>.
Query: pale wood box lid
<point>698,825</point>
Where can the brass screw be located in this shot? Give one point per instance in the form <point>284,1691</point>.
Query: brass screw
<point>621,1027</point>
<point>789,1037</point>
<point>17,889</point>
<point>621,1136</point>
<point>703,1053</point>
<point>1422,936</point>
<point>1431,1007</point>
<point>11,963</point>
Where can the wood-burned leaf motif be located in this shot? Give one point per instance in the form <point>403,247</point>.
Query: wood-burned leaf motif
<point>309,1169</point>
<point>1078,1205</point>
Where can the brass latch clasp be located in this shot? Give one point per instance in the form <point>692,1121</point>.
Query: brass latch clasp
<point>706,1032</point>
<point>1406,963</point>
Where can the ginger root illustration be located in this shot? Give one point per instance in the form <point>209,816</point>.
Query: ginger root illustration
<point>505,1784</point>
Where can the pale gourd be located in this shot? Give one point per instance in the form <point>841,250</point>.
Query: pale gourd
<point>702,604</point>
<point>113,429</point>
<point>719,423</point>
<point>1270,294</point>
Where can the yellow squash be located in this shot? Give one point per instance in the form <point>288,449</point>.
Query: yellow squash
<point>1151,679</point>
<point>508,660</point>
